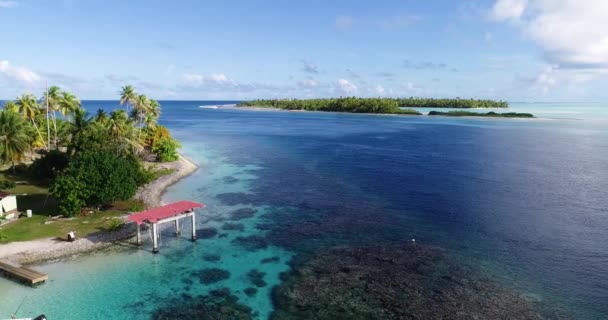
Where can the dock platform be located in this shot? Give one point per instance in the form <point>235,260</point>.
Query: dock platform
<point>23,274</point>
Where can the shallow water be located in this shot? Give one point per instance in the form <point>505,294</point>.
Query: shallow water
<point>524,200</point>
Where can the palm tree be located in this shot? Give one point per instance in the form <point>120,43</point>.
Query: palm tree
<point>143,106</point>
<point>78,129</point>
<point>51,99</point>
<point>127,96</point>
<point>11,106</point>
<point>154,109</point>
<point>28,107</point>
<point>151,122</point>
<point>117,124</point>
<point>101,116</point>
<point>14,140</point>
<point>68,104</point>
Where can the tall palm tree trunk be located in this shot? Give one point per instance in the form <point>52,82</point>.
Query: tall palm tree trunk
<point>55,126</point>
<point>139,135</point>
<point>39,134</point>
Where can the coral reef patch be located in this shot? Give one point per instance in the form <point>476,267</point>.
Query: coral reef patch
<point>212,275</point>
<point>401,281</point>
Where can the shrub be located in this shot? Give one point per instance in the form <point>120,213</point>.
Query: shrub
<point>49,165</point>
<point>137,206</point>
<point>151,174</point>
<point>70,194</point>
<point>166,150</point>
<point>115,224</point>
<point>95,179</point>
<point>6,184</point>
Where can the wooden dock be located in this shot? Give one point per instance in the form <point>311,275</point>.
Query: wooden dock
<point>23,274</point>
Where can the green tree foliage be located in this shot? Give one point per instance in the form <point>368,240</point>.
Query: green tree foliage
<point>70,193</point>
<point>95,179</point>
<point>7,184</point>
<point>94,159</point>
<point>127,96</point>
<point>166,149</point>
<point>349,104</point>
<point>11,106</point>
<point>456,103</point>
<point>14,138</point>
<point>29,108</point>
<point>49,165</point>
<point>373,105</point>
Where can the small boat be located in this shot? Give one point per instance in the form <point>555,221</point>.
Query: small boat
<point>208,107</point>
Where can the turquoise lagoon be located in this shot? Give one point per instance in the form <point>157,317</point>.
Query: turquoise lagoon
<point>522,200</point>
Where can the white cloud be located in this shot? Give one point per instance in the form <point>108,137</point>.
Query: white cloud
<point>8,4</point>
<point>220,85</point>
<point>192,79</point>
<point>546,79</point>
<point>346,86</point>
<point>19,74</point>
<point>572,33</point>
<point>508,9</point>
<point>219,79</point>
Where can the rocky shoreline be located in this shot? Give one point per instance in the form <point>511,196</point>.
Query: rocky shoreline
<point>39,251</point>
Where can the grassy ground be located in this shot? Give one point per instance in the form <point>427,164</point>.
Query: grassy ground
<point>24,186</point>
<point>35,228</point>
<point>34,196</point>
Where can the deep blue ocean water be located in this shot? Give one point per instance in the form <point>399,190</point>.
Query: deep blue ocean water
<point>524,200</point>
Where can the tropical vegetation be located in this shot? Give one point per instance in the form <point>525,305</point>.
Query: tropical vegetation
<point>455,103</point>
<point>86,160</point>
<point>481,114</point>
<point>348,104</point>
<point>372,105</point>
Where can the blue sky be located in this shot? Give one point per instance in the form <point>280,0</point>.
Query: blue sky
<point>518,50</point>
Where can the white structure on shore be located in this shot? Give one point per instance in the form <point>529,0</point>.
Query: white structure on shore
<point>8,206</point>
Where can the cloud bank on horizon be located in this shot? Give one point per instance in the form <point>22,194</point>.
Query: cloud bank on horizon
<point>502,49</point>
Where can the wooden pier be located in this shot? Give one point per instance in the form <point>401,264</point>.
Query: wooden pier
<point>23,274</point>
<point>168,213</point>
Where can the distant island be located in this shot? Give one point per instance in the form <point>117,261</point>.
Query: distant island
<point>349,104</point>
<point>480,114</point>
<point>372,105</point>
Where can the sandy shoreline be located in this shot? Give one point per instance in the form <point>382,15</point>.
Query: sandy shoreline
<point>151,193</point>
<point>41,250</point>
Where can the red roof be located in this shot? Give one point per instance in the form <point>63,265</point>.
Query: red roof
<point>163,212</point>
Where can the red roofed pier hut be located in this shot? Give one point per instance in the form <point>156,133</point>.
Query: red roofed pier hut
<point>168,213</point>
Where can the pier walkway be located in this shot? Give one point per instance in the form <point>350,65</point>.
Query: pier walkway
<point>173,212</point>
<point>23,274</point>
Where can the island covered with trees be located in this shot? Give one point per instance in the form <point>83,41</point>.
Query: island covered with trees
<point>481,114</point>
<point>372,105</point>
<point>454,103</point>
<point>348,104</point>
<point>80,163</point>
